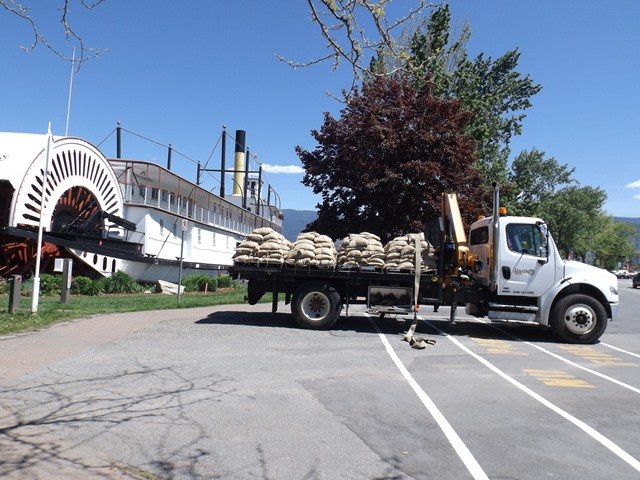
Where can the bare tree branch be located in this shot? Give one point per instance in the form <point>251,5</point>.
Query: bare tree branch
<point>342,25</point>
<point>23,12</point>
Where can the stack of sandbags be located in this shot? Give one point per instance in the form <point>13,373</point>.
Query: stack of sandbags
<point>400,253</point>
<point>361,250</point>
<point>312,250</point>
<point>263,245</point>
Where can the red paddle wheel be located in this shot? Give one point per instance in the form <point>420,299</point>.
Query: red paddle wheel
<point>74,212</point>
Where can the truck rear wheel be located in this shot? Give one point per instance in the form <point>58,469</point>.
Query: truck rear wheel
<point>579,318</point>
<point>316,305</point>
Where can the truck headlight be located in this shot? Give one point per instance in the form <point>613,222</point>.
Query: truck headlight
<point>613,290</point>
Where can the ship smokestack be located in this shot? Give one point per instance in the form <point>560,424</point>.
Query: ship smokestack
<point>238,164</point>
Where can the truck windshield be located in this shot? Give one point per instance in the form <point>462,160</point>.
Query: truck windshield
<point>526,238</point>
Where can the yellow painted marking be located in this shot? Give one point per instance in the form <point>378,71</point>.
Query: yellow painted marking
<point>594,356</point>
<point>499,347</point>
<point>557,378</point>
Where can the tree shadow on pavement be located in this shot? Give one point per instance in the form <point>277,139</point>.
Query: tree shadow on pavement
<point>33,419</point>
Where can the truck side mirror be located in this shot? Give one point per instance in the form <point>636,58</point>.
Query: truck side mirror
<point>544,242</point>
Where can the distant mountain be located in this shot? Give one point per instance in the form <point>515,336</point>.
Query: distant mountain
<point>295,221</point>
<point>632,221</point>
<point>636,223</point>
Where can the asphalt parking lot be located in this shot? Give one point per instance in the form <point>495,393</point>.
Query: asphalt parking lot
<point>236,392</point>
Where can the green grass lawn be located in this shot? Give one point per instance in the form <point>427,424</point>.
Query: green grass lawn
<point>50,310</point>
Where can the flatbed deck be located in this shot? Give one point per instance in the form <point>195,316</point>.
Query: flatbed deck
<point>351,283</point>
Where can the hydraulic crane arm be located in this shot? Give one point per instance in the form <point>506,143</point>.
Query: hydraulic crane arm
<point>454,228</point>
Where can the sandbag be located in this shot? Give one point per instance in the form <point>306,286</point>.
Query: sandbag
<point>312,250</point>
<point>263,246</point>
<point>400,253</point>
<point>360,250</point>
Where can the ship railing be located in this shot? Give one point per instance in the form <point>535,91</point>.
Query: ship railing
<point>176,204</point>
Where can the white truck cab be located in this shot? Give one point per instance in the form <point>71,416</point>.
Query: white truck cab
<point>516,260</point>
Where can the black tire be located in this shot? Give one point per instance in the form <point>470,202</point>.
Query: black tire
<point>316,305</point>
<point>578,318</point>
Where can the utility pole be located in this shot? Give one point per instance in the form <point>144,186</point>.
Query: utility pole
<point>185,224</point>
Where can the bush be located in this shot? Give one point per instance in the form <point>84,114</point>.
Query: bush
<point>224,281</point>
<point>27,287</point>
<point>119,282</point>
<point>50,284</point>
<point>197,282</point>
<point>85,286</point>
<point>102,285</point>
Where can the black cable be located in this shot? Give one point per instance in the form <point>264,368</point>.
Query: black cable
<point>105,138</point>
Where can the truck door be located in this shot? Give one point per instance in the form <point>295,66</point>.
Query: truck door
<point>525,268</point>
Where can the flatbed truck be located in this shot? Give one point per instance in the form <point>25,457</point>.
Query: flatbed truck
<point>508,270</point>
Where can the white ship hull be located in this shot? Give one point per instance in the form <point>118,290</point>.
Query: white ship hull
<point>164,216</point>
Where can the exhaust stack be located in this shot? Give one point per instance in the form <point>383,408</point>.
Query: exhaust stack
<point>238,164</point>
<point>494,273</point>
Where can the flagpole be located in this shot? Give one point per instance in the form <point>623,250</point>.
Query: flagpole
<point>36,278</point>
<point>73,62</point>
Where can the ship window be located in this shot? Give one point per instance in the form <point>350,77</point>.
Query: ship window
<point>161,221</point>
<point>104,264</point>
<point>199,235</point>
<point>141,190</point>
<point>174,229</point>
<point>154,193</point>
<point>213,235</point>
<point>113,266</point>
<point>164,195</point>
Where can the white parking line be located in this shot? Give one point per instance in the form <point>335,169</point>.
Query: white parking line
<point>456,442</point>
<point>592,432</point>
<point>620,349</point>
<point>565,360</point>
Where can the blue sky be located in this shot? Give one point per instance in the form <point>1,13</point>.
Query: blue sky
<point>177,71</point>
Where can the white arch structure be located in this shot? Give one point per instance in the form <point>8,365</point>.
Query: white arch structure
<point>72,162</point>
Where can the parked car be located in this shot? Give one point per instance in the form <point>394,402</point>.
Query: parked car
<point>635,280</point>
<point>622,273</point>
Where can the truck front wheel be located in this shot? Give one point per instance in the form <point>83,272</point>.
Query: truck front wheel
<point>578,318</point>
<point>316,305</point>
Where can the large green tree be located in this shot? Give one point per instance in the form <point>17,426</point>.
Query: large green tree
<point>492,89</point>
<point>574,215</point>
<point>612,243</point>
<point>383,165</point>
<point>531,179</point>
<point>540,186</point>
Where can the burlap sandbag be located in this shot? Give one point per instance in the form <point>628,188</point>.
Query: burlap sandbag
<point>312,250</point>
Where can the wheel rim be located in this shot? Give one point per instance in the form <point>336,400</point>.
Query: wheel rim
<point>315,305</point>
<point>580,319</point>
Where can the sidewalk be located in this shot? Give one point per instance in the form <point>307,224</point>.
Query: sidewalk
<point>34,452</point>
<point>26,352</point>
